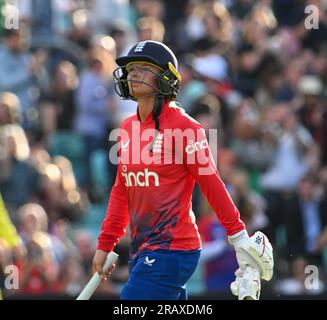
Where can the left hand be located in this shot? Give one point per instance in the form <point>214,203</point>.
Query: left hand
<point>255,258</point>
<point>255,251</point>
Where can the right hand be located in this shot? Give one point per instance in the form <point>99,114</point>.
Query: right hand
<point>98,262</point>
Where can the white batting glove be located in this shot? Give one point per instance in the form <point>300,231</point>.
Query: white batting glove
<point>234,286</point>
<point>255,251</point>
<point>247,285</point>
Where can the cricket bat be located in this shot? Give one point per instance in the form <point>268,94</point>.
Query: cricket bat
<point>92,285</point>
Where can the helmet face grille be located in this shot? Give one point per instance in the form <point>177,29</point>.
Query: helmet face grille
<point>167,86</point>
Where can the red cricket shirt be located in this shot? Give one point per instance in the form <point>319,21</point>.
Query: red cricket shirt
<point>153,187</point>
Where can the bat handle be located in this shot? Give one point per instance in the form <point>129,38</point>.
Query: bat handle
<point>110,260</point>
<point>96,279</point>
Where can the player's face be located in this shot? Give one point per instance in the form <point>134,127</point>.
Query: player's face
<point>142,79</point>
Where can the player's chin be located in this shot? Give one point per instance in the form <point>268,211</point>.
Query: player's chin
<point>137,94</point>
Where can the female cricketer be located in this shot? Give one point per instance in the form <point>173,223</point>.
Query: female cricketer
<point>162,153</point>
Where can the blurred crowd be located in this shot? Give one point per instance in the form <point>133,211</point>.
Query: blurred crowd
<point>251,69</point>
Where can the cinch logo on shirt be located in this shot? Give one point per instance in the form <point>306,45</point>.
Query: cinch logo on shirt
<point>142,179</point>
<point>193,147</point>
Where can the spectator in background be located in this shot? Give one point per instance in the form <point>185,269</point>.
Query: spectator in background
<point>94,115</point>
<point>295,283</point>
<point>118,109</point>
<point>104,13</point>
<point>60,230</point>
<point>44,251</point>
<point>213,70</point>
<point>190,26</point>
<point>64,84</point>
<point>80,33</point>
<point>149,28</point>
<point>305,216</point>
<point>271,84</point>
<point>18,177</point>
<point>313,111</point>
<point>72,278</point>
<point>47,18</point>
<point>71,275</point>
<point>50,190</point>
<point>290,77</point>
<point>253,142</point>
<point>47,121</point>
<point>314,38</point>
<point>206,110</point>
<point>9,109</point>
<point>40,270</point>
<point>59,194</point>
<point>74,201</point>
<point>31,218</point>
<point>191,88</point>
<point>257,28</point>
<point>122,36</point>
<point>295,145</point>
<point>240,9</point>
<point>218,27</point>
<point>244,69</point>
<point>40,15</point>
<point>17,71</point>
<point>208,64</point>
<point>85,247</point>
<point>149,8</point>
<point>288,13</point>
<point>92,100</point>
<point>252,205</point>
<point>296,150</point>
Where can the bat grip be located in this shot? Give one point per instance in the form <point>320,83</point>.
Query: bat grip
<point>96,279</point>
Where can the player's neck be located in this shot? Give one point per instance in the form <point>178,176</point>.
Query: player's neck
<point>145,107</point>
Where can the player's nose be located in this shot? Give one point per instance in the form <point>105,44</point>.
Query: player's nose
<point>136,73</point>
